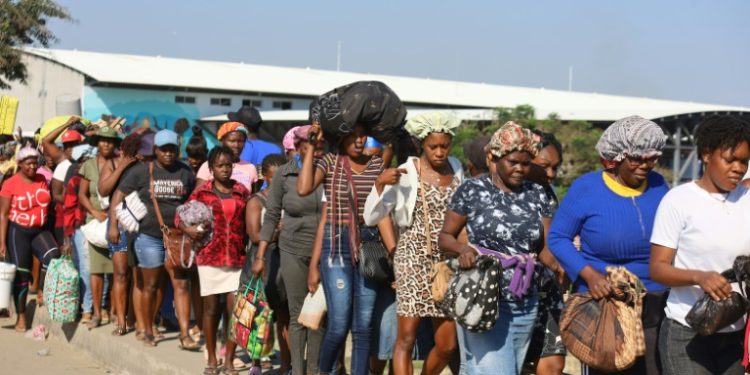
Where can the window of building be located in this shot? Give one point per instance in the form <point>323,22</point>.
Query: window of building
<point>184,99</point>
<point>252,103</point>
<point>282,105</point>
<point>224,102</point>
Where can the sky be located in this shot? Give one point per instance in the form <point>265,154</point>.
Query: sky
<point>683,50</point>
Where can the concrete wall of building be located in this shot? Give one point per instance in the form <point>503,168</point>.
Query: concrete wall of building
<point>47,84</point>
<point>164,107</point>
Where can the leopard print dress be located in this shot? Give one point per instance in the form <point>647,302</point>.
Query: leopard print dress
<point>412,263</point>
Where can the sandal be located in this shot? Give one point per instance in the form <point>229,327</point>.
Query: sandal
<point>119,331</point>
<point>190,346</point>
<point>95,322</point>
<point>158,334</point>
<point>149,340</point>
<point>230,371</point>
<point>211,370</point>
<point>195,333</point>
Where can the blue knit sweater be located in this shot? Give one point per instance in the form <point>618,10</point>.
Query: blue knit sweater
<point>615,230</point>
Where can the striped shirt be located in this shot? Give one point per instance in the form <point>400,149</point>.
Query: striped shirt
<point>363,183</point>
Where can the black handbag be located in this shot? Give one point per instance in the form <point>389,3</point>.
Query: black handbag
<point>374,259</point>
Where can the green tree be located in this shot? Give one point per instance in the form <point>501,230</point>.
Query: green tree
<point>24,23</point>
<point>578,139</point>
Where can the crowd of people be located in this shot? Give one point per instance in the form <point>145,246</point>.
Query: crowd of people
<point>298,219</point>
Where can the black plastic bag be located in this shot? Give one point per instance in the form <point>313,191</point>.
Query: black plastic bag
<point>370,103</point>
<point>707,316</point>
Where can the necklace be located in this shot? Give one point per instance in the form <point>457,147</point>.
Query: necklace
<point>719,197</point>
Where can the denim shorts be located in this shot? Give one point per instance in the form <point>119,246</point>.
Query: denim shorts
<point>149,251</point>
<point>121,246</point>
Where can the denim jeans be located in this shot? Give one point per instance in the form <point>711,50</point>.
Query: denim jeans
<point>81,260</point>
<point>149,251</point>
<point>350,299</point>
<point>501,350</point>
<point>684,352</point>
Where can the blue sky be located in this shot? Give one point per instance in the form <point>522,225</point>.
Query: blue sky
<point>683,50</point>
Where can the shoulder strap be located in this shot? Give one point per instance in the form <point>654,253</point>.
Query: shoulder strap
<point>163,227</point>
<point>262,198</point>
<point>354,202</point>
<point>425,216</point>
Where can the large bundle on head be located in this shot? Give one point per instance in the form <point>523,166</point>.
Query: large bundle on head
<point>370,103</point>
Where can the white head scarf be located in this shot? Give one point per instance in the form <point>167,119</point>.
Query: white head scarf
<point>422,125</point>
<point>632,135</point>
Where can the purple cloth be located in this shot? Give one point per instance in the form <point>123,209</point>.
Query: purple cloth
<point>523,270</point>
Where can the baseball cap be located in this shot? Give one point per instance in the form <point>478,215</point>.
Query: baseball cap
<point>166,137</point>
<point>71,136</point>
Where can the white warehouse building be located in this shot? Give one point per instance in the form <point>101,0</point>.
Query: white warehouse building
<point>166,89</point>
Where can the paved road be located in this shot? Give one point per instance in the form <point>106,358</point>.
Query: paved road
<point>18,355</point>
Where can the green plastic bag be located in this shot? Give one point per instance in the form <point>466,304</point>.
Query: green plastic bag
<point>61,293</point>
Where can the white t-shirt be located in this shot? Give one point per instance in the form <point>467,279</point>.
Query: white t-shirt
<point>708,235</point>
<point>61,170</point>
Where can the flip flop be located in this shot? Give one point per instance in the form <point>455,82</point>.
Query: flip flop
<point>149,340</point>
<point>94,323</point>
<point>119,331</point>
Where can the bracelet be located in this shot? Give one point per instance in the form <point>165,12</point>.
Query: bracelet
<point>260,258</point>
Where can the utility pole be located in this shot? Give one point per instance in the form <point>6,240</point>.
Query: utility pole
<point>570,78</point>
<point>338,57</point>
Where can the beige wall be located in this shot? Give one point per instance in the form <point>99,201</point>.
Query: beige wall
<point>47,82</point>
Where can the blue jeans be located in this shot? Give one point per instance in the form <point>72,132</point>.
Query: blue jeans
<point>385,328</point>
<point>500,351</point>
<point>82,262</point>
<point>351,299</point>
<point>149,251</point>
<point>121,246</point>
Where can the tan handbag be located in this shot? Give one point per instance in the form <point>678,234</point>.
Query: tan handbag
<point>179,247</point>
<point>441,272</point>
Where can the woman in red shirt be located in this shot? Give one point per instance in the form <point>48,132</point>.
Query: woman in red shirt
<point>220,260</point>
<point>24,211</point>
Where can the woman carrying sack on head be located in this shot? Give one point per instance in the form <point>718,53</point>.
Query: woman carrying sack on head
<point>171,183</point>
<point>507,216</point>
<point>417,193</point>
<point>295,243</point>
<point>348,177</point>
<point>613,212</point>
<point>700,228</point>
<point>220,260</point>
<point>24,211</point>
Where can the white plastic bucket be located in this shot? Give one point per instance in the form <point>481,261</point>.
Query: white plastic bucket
<point>7,273</point>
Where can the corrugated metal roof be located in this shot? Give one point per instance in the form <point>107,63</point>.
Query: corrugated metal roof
<point>302,116</point>
<point>212,75</point>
